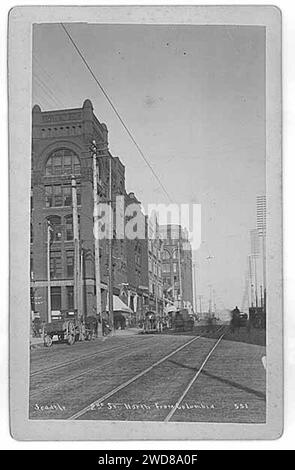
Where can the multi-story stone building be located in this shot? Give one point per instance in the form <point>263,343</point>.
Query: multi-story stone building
<point>155,266</point>
<point>61,149</point>
<point>177,269</point>
<point>137,263</point>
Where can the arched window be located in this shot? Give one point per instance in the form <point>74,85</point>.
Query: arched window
<point>62,162</point>
<point>165,255</point>
<point>56,227</point>
<point>175,254</point>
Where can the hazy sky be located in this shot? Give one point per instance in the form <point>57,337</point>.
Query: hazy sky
<point>193,97</point>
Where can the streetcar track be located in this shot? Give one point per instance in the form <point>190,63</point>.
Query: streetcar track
<point>60,383</point>
<point>144,372</point>
<point>80,358</point>
<point>81,374</point>
<point>125,384</point>
<point>88,356</point>
<point>193,380</point>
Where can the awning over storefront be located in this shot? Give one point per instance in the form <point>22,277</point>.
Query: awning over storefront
<point>119,306</point>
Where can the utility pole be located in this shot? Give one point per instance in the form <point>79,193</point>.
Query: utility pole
<point>49,230</point>
<point>245,299</point>
<point>77,303</point>
<point>157,266</point>
<point>210,300</point>
<point>111,309</point>
<point>96,236</point>
<point>255,277</point>
<point>250,279</point>
<point>195,286</point>
<point>81,283</point>
<point>214,302</point>
<point>200,300</point>
<point>180,276</point>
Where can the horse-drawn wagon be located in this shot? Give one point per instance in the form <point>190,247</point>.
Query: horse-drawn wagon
<point>67,327</point>
<point>152,323</point>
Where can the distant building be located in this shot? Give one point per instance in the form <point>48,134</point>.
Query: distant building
<point>177,266</point>
<point>137,266</point>
<point>61,148</point>
<point>155,266</point>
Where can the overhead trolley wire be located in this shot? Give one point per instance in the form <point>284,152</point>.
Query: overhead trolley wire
<point>116,112</point>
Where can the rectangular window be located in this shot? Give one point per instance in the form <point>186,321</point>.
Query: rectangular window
<point>48,196</point>
<point>175,268</point>
<point>150,286</point>
<point>77,169</point>
<point>70,263</point>
<point>57,193</point>
<point>69,228</point>
<point>55,264</point>
<point>78,196</point>
<point>67,195</point>
<point>55,298</point>
<point>166,268</point>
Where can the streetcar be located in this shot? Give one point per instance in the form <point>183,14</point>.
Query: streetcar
<point>182,320</point>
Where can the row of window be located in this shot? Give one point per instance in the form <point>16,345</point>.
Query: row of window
<point>155,289</point>
<point>154,267</point>
<point>60,195</point>
<point>56,298</point>
<point>62,230</point>
<point>56,264</point>
<point>166,268</point>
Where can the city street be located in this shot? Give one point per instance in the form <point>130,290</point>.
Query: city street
<point>151,378</point>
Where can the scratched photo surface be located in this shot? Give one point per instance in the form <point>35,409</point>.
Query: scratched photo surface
<point>148,223</point>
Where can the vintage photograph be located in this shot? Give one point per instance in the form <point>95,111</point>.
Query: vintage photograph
<point>145,223</point>
<point>148,286</point>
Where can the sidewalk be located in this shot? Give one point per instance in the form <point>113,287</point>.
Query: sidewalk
<point>127,332</point>
<point>36,342</point>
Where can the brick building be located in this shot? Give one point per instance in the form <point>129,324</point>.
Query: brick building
<point>155,266</point>
<point>137,262</point>
<point>61,148</point>
<point>177,266</point>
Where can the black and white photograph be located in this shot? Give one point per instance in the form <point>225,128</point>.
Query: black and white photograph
<point>149,199</point>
